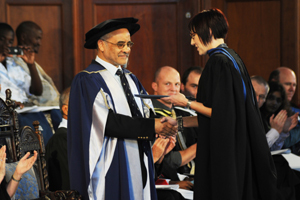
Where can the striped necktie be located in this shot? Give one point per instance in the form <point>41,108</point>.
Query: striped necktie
<point>135,111</point>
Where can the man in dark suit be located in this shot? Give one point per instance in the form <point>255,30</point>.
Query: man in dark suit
<point>56,150</point>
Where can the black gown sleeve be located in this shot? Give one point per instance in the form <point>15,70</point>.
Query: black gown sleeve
<point>122,126</point>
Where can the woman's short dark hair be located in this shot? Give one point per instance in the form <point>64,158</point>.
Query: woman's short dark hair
<point>209,20</point>
<point>285,105</point>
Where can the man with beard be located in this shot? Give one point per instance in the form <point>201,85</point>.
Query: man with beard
<point>190,80</point>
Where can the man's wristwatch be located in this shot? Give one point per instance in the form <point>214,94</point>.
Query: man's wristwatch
<point>180,123</point>
<point>188,104</point>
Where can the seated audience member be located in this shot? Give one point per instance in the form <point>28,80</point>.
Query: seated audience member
<point>160,148</point>
<point>167,82</point>
<point>277,105</point>
<point>190,81</point>
<point>288,79</point>
<point>12,75</point>
<point>29,35</point>
<point>277,127</point>
<point>21,83</point>
<point>7,190</point>
<point>56,150</point>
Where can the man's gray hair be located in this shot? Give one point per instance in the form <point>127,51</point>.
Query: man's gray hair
<point>260,80</point>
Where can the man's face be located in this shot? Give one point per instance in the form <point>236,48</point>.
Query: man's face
<point>191,86</point>
<point>289,82</point>
<point>197,42</point>
<point>167,83</point>
<point>111,53</point>
<point>6,40</point>
<point>261,93</point>
<point>34,39</point>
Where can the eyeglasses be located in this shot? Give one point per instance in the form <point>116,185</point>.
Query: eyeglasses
<point>121,44</point>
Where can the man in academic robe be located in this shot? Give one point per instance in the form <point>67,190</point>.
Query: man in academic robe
<point>108,131</point>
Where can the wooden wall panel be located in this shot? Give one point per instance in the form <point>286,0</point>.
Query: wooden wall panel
<point>56,54</point>
<point>264,32</point>
<point>255,36</point>
<point>290,39</point>
<point>154,45</point>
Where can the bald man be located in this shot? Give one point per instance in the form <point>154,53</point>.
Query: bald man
<point>288,79</point>
<point>180,159</point>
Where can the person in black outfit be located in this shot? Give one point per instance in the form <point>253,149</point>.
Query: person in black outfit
<point>233,158</point>
<point>56,150</point>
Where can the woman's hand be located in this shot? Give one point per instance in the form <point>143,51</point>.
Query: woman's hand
<point>24,165</point>
<point>2,162</point>
<point>278,122</point>
<point>177,100</point>
<point>290,123</point>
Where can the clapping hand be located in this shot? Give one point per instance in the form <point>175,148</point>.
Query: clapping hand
<point>24,164</point>
<point>290,123</point>
<point>161,147</point>
<point>2,162</point>
<point>171,144</point>
<point>278,121</point>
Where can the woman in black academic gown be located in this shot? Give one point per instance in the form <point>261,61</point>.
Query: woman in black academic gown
<point>7,190</point>
<point>233,158</point>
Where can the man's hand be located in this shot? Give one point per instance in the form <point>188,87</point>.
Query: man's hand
<point>278,122</point>
<point>166,126</point>
<point>171,144</point>
<point>28,56</point>
<point>158,148</point>
<point>183,184</point>
<point>161,147</point>
<point>290,123</point>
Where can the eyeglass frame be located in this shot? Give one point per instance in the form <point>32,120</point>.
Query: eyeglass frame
<point>129,44</point>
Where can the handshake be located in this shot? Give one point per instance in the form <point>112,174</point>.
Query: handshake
<point>166,126</point>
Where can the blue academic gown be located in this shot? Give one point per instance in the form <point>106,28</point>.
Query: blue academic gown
<point>103,139</point>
